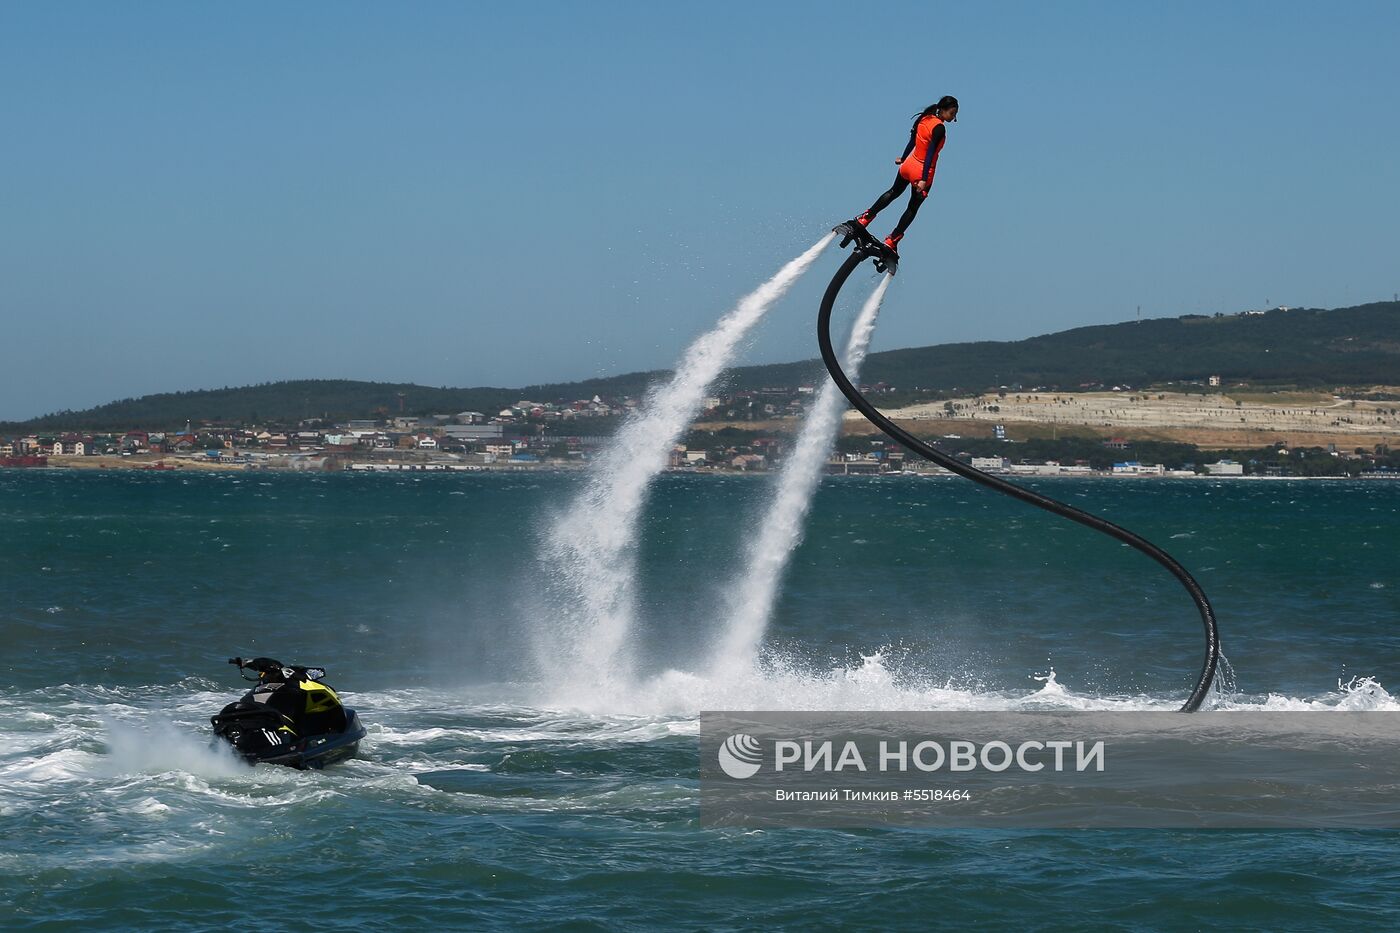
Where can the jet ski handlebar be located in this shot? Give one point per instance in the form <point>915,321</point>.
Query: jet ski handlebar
<point>272,666</point>
<point>257,664</point>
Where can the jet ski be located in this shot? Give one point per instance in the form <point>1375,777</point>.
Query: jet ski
<point>290,717</point>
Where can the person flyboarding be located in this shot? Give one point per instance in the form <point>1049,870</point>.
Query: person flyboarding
<point>916,167</point>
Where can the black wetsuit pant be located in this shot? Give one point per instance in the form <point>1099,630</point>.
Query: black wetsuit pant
<point>916,199</point>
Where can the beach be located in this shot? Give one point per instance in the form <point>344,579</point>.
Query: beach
<point>1221,420</point>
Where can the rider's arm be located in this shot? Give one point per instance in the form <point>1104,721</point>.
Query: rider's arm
<point>910,148</point>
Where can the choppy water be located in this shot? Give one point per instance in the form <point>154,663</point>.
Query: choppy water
<point>487,799</point>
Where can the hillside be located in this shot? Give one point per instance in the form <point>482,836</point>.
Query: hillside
<point>292,401</point>
<point>1350,346</point>
<point>1307,347</point>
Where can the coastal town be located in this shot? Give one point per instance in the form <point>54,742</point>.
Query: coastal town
<point>752,431</point>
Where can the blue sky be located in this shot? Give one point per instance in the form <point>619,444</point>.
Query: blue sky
<point>462,194</point>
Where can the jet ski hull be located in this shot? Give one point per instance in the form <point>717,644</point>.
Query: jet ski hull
<point>312,752</point>
<point>316,751</point>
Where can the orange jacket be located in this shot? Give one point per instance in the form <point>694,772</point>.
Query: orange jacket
<point>918,165</point>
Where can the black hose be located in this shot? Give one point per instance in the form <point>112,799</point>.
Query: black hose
<point>1212,658</point>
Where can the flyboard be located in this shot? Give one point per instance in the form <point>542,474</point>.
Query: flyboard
<point>887,261</point>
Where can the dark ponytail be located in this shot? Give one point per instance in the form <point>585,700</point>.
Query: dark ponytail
<point>946,101</point>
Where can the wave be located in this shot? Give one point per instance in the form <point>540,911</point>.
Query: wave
<point>131,773</point>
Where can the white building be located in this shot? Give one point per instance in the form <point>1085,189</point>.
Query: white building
<point>1225,468</point>
<point>1048,468</point>
<point>989,464</point>
<point>1133,468</point>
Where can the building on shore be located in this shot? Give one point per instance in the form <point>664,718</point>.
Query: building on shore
<point>1225,468</point>
<point>1133,468</point>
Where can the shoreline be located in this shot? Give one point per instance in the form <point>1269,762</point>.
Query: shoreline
<point>170,464</point>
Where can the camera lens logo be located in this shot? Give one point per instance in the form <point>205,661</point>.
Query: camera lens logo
<point>741,756</point>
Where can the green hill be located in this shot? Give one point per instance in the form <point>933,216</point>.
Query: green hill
<point>1350,346</point>
<point>1305,347</point>
<point>296,400</point>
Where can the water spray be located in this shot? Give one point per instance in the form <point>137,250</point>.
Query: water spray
<point>591,548</point>
<point>781,530</point>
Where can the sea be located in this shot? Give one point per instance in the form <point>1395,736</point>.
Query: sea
<point>489,794</point>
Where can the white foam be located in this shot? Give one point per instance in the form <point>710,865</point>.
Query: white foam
<point>166,772</point>
<point>45,768</point>
<point>149,806</point>
<point>1360,694</point>
<point>878,684</point>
